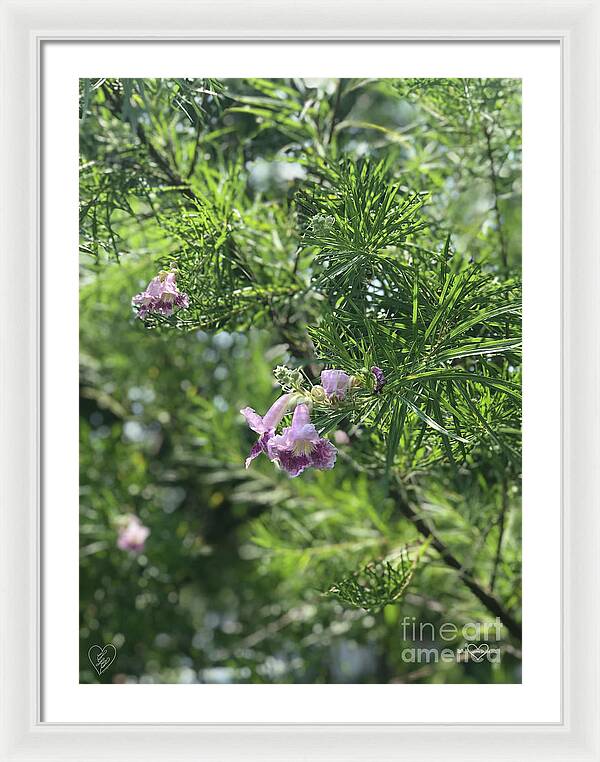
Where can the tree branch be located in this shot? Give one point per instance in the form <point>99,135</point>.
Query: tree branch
<point>335,114</point>
<point>502,524</point>
<point>494,181</point>
<point>485,596</point>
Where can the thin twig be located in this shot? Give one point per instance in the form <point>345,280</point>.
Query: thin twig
<point>501,525</point>
<point>190,171</point>
<point>335,115</point>
<point>496,193</point>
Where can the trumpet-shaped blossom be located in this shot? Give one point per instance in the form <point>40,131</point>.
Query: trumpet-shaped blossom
<point>379,379</point>
<point>336,383</point>
<point>300,447</point>
<point>161,296</point>
<point>133,535</point>
<point>265,425</point>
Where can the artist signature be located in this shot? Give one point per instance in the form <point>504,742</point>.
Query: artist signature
<point>101,657</point>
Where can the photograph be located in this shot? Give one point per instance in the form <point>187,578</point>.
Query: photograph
<point>300,367</point>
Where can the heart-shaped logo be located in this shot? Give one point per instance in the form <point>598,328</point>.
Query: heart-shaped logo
<point>478,652</point>
<point>101,657</point>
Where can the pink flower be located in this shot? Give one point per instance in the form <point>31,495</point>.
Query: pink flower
<point>336,383</point>
<point>161,296</point>
<point>133,535</point>
<point>265,426</point>
<point>341,437</point>
<point>300,447</point>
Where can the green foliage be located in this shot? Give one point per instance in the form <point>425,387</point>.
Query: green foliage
<point>376,585</point>
<point>335,223</point>
<point>443,331</point>
<point>364,212</point>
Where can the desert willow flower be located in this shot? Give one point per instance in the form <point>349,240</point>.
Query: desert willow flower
<point>336,383</point>
<point>133,535</point>
<point>161,296</point>
<point>265,425</point>
<point>299,446</point>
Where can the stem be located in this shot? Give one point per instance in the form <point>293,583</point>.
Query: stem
<point>486,597</point>
<point>190,171</point>
<point>336,105</point>
<point>494,181</point>
<point>502,524</point>
<point>504,255</point>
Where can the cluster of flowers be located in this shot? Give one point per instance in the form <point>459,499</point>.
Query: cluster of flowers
<point>161,296</point>
<point>299,446</point>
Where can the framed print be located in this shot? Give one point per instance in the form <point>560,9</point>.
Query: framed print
<point>302,427</point>
<point>278,575</point>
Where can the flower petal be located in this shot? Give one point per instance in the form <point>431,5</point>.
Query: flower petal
<point>323,455</point>
<point>259,447</point>
<point>182,300</point>
<point>278,443</point>
<point>293,464</point>
<point>302,430</point>
<point>335,382</point>
<point>275,413</point>
<point>253,419</point>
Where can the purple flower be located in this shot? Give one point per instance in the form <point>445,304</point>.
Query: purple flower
<point>161,296</point>
<point>265,426</point>
<point>132,535</point>
<point>299,446</point>
<point>336,383</point>
<point>379,379</point>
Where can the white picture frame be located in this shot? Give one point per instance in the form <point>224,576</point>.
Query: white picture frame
<point>25,25</point>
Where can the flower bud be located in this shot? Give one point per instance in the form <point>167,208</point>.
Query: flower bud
<point>289,379</point>
<point>379,378</point>
<point>318,394</point>
<point>322,224</point>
